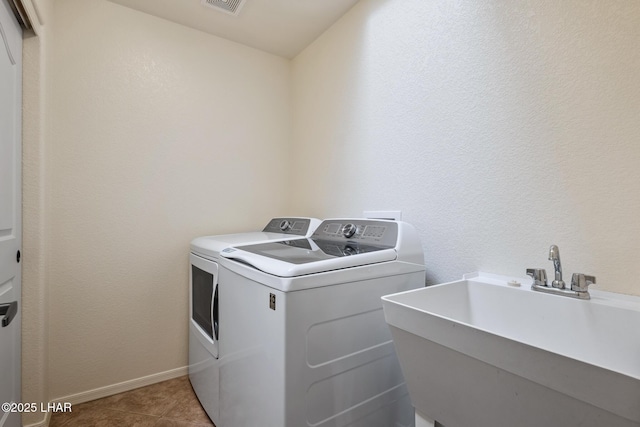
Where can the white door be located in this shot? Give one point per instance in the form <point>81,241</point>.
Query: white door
<point>10,212</point>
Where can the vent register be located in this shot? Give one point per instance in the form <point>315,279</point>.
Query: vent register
<point>231,7</point>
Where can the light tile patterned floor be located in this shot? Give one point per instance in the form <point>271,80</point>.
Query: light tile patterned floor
<point>167,404</point>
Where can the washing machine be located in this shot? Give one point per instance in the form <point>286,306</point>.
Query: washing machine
<point>303,338</point>
<point>204,301</point>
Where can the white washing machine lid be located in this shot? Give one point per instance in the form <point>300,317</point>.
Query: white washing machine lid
<point>210,246</point>
<point>299,257</point>
<point>340,250</point>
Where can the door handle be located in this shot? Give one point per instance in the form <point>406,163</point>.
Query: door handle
<point>216,315</point>
<point>8,312</point>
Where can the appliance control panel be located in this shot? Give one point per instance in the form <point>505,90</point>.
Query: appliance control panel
<point>375,232</point>
<point>294,226</point>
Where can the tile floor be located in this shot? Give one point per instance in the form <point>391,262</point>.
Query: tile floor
<point>167,404</point>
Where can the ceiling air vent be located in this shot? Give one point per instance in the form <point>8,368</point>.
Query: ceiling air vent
<point>232,7</point>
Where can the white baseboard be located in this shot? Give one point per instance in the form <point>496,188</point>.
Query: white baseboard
<point>109,390</point>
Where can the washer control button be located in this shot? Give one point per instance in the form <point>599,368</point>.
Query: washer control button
<point>349,230</point>
<point>285,225</point>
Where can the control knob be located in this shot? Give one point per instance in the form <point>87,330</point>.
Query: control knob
<point>349,230</point>
<point>285,225</point>
<point>349,250</point>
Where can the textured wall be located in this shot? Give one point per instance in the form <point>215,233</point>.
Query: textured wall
<point>159,134</point>
<point>35,320</point>
<point>498,128</point>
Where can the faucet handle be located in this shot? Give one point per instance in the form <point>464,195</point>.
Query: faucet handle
<point>539,276</point>
<point>580,282</point>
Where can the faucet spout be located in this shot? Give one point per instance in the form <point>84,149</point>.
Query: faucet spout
<point>554,255</point>
<point>579,282</point>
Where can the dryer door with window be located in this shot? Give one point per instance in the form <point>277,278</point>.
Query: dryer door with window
<point>203,301</point>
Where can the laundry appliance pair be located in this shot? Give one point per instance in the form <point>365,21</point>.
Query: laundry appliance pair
<point>297,335</point>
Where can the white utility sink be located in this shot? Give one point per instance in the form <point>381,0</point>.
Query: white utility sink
<point>479,352</point>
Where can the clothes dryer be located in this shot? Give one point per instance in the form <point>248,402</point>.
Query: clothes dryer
<point>303,340</point>
<point>204,301</point>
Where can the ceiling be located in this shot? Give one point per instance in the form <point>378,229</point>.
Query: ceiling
<point>281,27</point>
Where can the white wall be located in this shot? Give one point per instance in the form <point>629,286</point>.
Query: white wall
<point>35,320</point>
<point>498,128</point>
<point>158,134</point>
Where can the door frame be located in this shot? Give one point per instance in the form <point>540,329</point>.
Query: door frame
<point>11,237</point>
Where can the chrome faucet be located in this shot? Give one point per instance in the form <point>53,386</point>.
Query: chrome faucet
<point>554,255</point>
<point>579,282</point>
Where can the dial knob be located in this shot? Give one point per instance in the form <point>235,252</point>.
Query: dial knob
<point>349,250</point>
<point>285,225</point>
<point>349,230</point>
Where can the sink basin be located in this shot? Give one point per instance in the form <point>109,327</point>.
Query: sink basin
<point>480,352</point>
